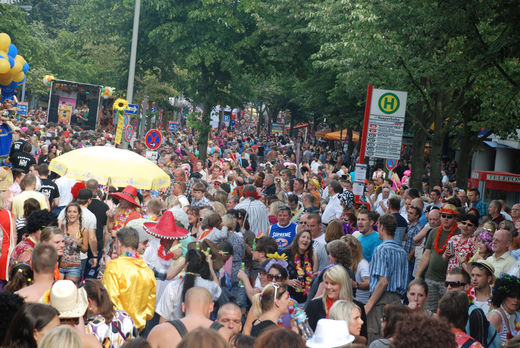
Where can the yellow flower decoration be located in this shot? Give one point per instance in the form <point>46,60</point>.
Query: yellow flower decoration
<point>277,256</point>
<point>120,104</point>
<point>47,297</point>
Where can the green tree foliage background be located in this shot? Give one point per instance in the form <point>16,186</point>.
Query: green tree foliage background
<point>459,61</point>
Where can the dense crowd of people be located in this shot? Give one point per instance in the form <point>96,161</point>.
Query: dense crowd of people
<point>263,243</point>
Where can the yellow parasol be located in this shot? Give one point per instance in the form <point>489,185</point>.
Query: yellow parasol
<point>103,163</point>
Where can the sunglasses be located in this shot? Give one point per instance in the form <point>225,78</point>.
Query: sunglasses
<point>467,224</point>
<point>272,277</point>
<point>454,284</point>
<point>446,216</point>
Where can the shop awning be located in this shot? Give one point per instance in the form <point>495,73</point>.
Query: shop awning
<point>340,135</point>
<point>494,144</point>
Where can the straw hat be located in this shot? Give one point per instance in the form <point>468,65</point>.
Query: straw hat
<point>6,178</point>
<point>330,333</point>
<point>487,265</point>
<point>70,301</point>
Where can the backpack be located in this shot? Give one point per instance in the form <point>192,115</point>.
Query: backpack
<point>181,328</point>
<point>479,328</point>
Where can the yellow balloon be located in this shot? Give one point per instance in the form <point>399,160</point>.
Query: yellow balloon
<point>4,66</point>
<point>19,77</point>
<point>20,58</point>
<point>5,41</point>
<point>3,53</point>
<point>5,79</point>
<point>17,67</point>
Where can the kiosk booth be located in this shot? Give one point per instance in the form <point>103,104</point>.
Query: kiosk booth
<point>74,103</point>
<point>497,185</point>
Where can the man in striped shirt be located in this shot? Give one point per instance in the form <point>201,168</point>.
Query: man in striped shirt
<point>388,275</point>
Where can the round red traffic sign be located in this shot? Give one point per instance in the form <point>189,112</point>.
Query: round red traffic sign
<point>129,132</point>
<point>153,139</point>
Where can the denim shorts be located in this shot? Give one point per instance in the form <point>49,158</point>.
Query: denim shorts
<point>73,272</point>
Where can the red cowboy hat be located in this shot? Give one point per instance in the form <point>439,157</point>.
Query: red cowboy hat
<point>129,194</point>
<point>165,228</point>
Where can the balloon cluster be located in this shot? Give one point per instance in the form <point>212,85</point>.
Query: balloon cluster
<point>47,80</point>
<point>106,92</point>
<point>12,67</point>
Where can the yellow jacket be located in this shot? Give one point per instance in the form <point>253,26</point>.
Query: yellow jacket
<point>131,285</point>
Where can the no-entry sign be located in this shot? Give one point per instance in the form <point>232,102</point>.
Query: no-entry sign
<point>153,139</point>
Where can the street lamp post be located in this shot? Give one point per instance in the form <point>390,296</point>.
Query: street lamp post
<point>133,53</point>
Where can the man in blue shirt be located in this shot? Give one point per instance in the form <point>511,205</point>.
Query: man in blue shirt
<point>284,230</point>
<point>369,238</point>
<point>477,203</point>
<point>388,276</point>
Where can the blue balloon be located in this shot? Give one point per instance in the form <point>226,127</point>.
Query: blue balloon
<point>13,51</point>
<point>25,67</point>
<point>11,61</point>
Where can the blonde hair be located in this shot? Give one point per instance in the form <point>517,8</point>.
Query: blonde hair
<point>356,250</point>
<point>229,221</point>
<point>49,232</point>
<point>170,202</point>
<point>342,310</point>
<point>220,208</point>
<point>338,275</point>
<point>265,300</point>
<point>273,208</point>
<point>60,336</point>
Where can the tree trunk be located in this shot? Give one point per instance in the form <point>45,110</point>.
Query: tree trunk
<point>203,136</point>
<point>418,144</point>
<point>269,124</point>
<point>436,142</point>
<point>467,147</point>
<point>260,119</point>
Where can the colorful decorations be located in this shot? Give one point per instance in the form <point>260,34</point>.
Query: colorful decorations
<point>12,67</point>
<point>277,256</point>
<point>47,80</point>
<point>439,250</point>
<point>304,272</point>
<point>106,92</point>
<point>120,104</point>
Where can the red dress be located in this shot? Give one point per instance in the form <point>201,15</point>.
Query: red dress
<point>8,242</point>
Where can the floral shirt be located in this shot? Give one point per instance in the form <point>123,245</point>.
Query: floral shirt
<point>465,249</point>
<point>115,333</point>
<point>23,251</point>
<point>71,257</point>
